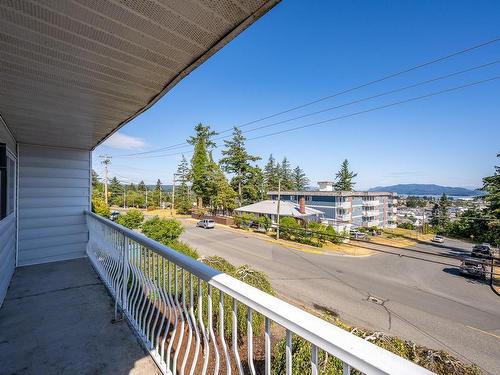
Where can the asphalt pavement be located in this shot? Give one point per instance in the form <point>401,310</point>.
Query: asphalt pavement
<point>417,296</point>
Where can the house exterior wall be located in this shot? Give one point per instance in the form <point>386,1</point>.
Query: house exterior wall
<point>7,228</point>
<point>54,191</point>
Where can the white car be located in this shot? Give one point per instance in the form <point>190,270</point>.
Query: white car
<point>438,239</point>
<point>206,223</point>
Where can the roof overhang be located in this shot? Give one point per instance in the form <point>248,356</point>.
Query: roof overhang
<point>73,72</point>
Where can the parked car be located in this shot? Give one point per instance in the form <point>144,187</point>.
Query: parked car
<point>482,251</point>
<point>437,238</point>
<point>114,215</point>
<point>206,223</point>
<point>354,234</point>
<point>473,267</point>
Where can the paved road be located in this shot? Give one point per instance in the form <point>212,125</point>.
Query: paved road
<point>425,301</point>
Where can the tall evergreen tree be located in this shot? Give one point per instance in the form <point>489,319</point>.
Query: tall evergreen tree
<point>183,201</point>
<point>236,160</point>
<point>344,178</point>
<point>223,197</point>
<point>300,180</point>
<point>285,174</point>
<point>200,164</point>
<point>115,189</point>
<point>156,194</point>
<point>491,185</point>
<point>271,174</point>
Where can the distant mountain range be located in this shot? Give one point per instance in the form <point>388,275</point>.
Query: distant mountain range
<point>427,189</point>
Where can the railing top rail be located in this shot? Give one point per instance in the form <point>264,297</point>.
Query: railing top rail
<point>358,353</point>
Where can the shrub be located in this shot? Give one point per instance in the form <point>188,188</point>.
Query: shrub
<point>289,228</point>
<point>100,207</point>
<point>301,358</point>
<point>132,219</point>
<point>409,226</point>
<point>243,273</point>
<point>245,220</point>
<point>184,248</point>
<point>264,222</point>
<point>164,231</point>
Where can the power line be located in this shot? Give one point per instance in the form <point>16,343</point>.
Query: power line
<point>392,75</point>
<point>378,108</point>
<point>354,113</point>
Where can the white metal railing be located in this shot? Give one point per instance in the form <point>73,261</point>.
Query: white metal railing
<point>345,205</point>
<point>371,213</point>
<point>371,203</point>
<point>188,314</point>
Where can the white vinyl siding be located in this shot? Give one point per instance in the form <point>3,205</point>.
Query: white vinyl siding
<point>7,253</point>
<point>53,194</point>
<point>7,225</point>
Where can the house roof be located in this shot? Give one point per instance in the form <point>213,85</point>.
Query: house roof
<point>270,207</point>
<point>74,72</point>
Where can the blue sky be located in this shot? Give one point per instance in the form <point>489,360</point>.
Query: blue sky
<point>304,50</point>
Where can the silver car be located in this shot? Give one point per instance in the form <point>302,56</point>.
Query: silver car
<point>206,223</point>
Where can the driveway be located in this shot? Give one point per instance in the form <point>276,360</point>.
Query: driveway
<point>424,300</point>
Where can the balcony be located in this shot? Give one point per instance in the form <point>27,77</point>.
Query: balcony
<point>344,217</point>
<point>344,205</point>
<point>371,203</point>
<point>78,293</point>
<point>183,312</point>
<point>371,213</point>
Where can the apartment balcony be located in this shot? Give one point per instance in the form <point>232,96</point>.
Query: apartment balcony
<point>344,217</point>
<point>343,205</point>
<point>371,223</point>
<point>371,213</point>
<point>371,203</point>
<point>80,294</point>
<point>58,318</point>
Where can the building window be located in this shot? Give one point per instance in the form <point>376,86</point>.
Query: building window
<point>7,182</point>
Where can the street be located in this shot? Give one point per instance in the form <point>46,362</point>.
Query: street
<point>424,300</point>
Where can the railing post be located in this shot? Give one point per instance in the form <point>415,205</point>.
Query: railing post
<point>125,274</point>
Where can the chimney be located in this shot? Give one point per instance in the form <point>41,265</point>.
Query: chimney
<point>302,205</point>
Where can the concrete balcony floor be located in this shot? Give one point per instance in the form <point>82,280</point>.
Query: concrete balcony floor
<point>57,319</point>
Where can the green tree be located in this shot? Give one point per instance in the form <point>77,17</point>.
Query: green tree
<point>97,186</point>
<point>164,231</point>
<point>224,197</point>
<point>440,216</point>
<point>271,174</point>
<point>156,195</point>
<point>236,160</point>
<point>254,189</point>
<point>132,219</point>
<point>491,185</point>
<point>183,202</point>
<point>299,178</point>
<point>115,189</point>
<point>100,207</point>
<point>199,174</point>
<point>344,178</point>
<point>285,174</point>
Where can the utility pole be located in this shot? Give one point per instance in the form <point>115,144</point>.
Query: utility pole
<point>106,161</point>
<point>278,211</point>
